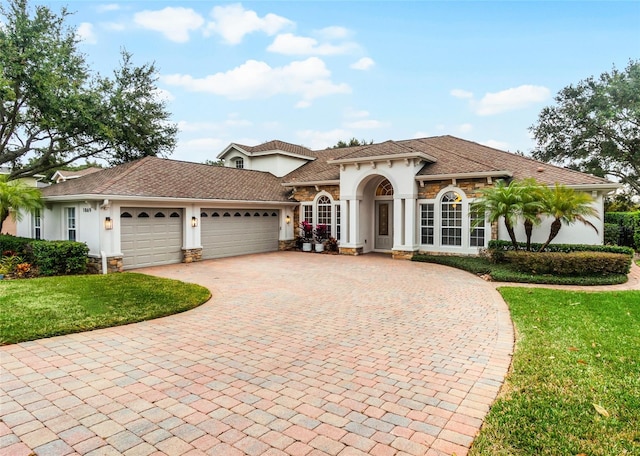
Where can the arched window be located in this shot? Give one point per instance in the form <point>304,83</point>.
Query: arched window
<point>125,215</point>
<point>174,215</point>
<point>385,188</point>
<point>204,214</point>
<point>451,219</point>
<point>159,215</point>
<point>324,206</point>
<point>239,162</point>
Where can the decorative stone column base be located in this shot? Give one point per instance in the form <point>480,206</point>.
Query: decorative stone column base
<point>191,255</point>
<point>350,251</point>
<point>114,264</point>
<point>94,265</point>
<point>287,245</point>
<point>402,254</point>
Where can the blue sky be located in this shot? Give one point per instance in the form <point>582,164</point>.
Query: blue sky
<point>313,73</point>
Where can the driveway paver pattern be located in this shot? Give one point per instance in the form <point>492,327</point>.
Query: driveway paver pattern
<point>295,354</point>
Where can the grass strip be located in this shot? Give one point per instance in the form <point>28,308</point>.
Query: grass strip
<point>50,306</point>
<point>574,387</point>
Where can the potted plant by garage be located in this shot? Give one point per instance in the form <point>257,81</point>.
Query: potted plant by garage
<point>306,233</point>
<point>321,234</point>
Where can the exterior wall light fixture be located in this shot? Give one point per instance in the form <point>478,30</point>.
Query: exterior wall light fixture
<point>288,219</point>
<point>194,222</point>
<point>108,223</point>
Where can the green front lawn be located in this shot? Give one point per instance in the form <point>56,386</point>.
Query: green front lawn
<point>575,381</point>
<point>36,308</point>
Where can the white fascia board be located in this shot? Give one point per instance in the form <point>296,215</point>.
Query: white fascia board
<point>482,174</point>
<point>310,183</point>
<point>380,158</point>
<point>229,147</point>
<point>141,200</point>
<point>605,186</point>
<point>281,152</point>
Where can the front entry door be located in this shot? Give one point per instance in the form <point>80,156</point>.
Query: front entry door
<point>384,225</point>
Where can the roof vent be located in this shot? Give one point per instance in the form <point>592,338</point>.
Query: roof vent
<point>540,169</point>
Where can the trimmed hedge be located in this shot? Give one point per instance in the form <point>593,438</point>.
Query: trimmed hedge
<point>506,246</point>
<point>629,226</point>
<point>50,257</point>
<point>569,264</point>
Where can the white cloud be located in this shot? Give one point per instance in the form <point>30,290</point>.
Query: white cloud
<point>496,144</point>
<point>363,64</point>
<point>108,7</point>
<point>112,26</point>
<point>164,95</point>
<point>308,79</point>
<point>290,44</point>
<point>315,139</point>
<point>233,22</point>
<point>174,23</point>
<point>231,122</point>
<point>366,124</point>
<point>459,93</point>
<point>350,113</point>
<point>511,99</point>
<point>86,34</point>
<point>333,33</point>
<point>464,128</point>
<point>420,134</point>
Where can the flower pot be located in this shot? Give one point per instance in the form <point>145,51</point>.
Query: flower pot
<point>318,247</point>
<point>306,246</point>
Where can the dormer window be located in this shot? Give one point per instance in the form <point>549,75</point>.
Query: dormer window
<point>239,162</point>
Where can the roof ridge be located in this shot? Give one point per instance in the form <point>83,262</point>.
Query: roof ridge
<point>462,156</point>
<point>119,176</point>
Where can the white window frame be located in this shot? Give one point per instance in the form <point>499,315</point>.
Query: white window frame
<point>315,216</point>
<point>37,224</point>
<point>68,226</point>
<point>238,162</point>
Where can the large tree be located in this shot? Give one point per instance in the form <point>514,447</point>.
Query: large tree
<point>55,110</point>
<point>595,126</point>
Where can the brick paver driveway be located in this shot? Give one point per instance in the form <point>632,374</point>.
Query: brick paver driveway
<point>296,354</point>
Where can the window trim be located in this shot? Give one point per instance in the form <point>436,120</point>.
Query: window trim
<point>37,224</point>
<point>67,227</point>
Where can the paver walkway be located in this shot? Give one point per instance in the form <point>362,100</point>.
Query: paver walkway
<point>296,354</point>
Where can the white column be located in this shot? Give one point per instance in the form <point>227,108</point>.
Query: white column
<point>354,221</point>
<point>398,222</point>
<point>410,223</point>
<point>344,221</point>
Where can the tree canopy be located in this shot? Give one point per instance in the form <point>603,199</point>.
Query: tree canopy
<point>55,110</point>
<point>351,143</point>
<point>595,126</point>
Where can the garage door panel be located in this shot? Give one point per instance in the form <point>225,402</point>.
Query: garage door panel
<point>229,234</point>
<point>152,240</point>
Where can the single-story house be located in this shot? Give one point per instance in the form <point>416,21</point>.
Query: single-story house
<point>399,197</point>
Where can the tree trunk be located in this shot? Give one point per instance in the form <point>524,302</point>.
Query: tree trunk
<point>555,228</point>
<point>512,234</point>
<point>528,229</point>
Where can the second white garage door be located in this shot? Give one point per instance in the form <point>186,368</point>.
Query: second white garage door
<point>230,232</point>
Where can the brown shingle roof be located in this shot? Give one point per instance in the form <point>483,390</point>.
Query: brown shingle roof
<point>455,155</point>
<point>279,145</point>
<point>158,177</point>
<point>318,170</point>
<point>77,173</point>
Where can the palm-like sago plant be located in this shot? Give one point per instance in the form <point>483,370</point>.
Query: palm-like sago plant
<point>502,200</point>
<point>531,206</point>
<point>568,206</point>
<point>17,197</point>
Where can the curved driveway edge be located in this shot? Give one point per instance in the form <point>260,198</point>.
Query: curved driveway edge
<point>296,354</point>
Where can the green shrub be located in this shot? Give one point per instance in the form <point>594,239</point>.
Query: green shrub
<point>505,246</point>
<point>611,233</point>
<point>476,265</point>
<point>509,275</point>
<point>60,257</point>
<point>631,222</point>
<point>9,243</point>
<point>569,264</point>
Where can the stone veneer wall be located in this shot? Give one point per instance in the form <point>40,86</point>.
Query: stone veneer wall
<point>471,187</point>
<point>287,245</point>
<point>191,255</point>
<point>114,264</point>
<point>350,251</point>
<point>307,194</point>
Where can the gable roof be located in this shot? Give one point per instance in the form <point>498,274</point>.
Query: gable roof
<point>274,146</point>
<point>159,177</point>
<point>63,174</point>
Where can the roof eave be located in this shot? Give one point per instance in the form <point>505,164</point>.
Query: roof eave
<point>380,158</point>
<point>94,197</point>
<point>311,183</point>
<point>479,174</point>
<point>229,147</point>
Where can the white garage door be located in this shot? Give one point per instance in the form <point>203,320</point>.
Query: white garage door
<point>230,232</point>
<point>150,236</point>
